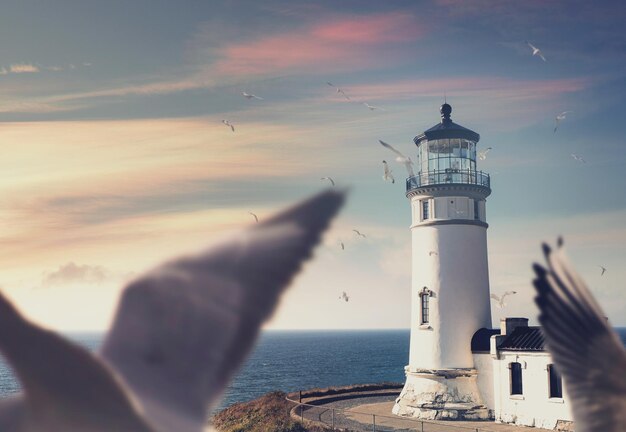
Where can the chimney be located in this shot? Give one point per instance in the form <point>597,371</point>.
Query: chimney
<point>507,325</point>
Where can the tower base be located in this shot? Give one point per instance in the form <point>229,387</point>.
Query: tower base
<point>442,394</point>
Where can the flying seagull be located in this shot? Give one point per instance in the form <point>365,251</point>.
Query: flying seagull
<point>332,182</point>
<point>483,154</point>
<point>372,108</point>
<point>179,335</point>
<point>256,218</point>
<point>343,246</point>
<point>536,51</point>
<point>339,90</point>
<point>578,158</point>
<point>603,270</point>
<point>359,233</point>
<point>229,124</point>
<point>431,253</point>
<point>387,173</point>
<point>559,118</point>
<point>500,299</point>
<point>586,350</point>
<point>250,96</point>
<point>408,163</point>
<point>344,296</point>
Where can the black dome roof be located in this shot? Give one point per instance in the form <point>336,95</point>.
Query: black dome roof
<point>446,129</point>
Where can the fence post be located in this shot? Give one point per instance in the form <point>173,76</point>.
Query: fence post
<point>300,396</point>
<point>374,420</point>
<point>333,418</point>
<point>422,426</point>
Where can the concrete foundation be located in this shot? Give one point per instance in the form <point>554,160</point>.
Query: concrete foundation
<point>444,394</point>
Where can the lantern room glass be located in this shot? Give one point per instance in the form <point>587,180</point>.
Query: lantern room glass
<point>447,155</point>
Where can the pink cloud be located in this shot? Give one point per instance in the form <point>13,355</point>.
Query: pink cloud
<point>375,29</point>
<point>346,43</point>
<point>483,87</point>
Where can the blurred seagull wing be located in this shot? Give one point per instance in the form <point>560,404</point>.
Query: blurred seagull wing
<point>182,330</point>
<point>12,414</point>
<point>66,388</point>
<point>587,352</point>
<point>390,147</point>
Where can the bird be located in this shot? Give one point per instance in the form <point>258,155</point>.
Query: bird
<point>179,335</point>
<point>559,118</point>
<point>408,163</point>
<point>578,158</point>
<point>585,349</point>
<point>250,96</point>
<point>332,182</point>
<point>229,124</point>
<point>256,218</point>
<point>500,299</point>
<point>536,51</point>
<point>359,233</point>
<point>339,90</point>
<point>343,246</point>
<point>372,108</point>
<point>344,296</point>
<point>603,270</point>
<point>483,154</point>
<point>431,253</point>
<point>387,173</point>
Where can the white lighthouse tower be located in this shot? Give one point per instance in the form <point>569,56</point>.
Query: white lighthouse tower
<point>450,279</point>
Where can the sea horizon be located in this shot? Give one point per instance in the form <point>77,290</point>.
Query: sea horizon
<point>298,359</point>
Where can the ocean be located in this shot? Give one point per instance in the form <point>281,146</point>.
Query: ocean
<point>299,360</point>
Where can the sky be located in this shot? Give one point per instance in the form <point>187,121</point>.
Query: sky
<point>114,155</point>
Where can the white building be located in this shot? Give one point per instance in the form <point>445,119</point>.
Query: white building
<point>458,367</point>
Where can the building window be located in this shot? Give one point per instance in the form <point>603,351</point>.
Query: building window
<point>425,210</point>
<point>556,386</point>
<point>476,210</point>
<point>516,378</point>
<point>424,299</point>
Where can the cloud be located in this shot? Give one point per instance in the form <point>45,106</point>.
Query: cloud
<point>346,43</point>
<point>514,89</point>
<point>23,68</point>
<point>377,29</point>
<point>72,273</point>
<point>329,45</point>
<point>3,71</point>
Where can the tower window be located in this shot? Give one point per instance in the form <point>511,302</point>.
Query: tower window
<point>424,298</point>
<point>425,210</point>
<point>556,385</point>
<point>516,378</point>
<point>476,210</point>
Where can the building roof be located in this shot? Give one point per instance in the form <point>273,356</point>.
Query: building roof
<point>524,339</point>
<point>446,129</point>
<point>480,340</point>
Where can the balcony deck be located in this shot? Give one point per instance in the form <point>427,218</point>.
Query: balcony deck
<point>448,177</point>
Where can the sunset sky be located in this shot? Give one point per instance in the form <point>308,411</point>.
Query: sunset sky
<point>114,156</point>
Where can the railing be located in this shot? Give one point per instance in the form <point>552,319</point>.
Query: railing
<point>448,176</point>
<point>349,420</point>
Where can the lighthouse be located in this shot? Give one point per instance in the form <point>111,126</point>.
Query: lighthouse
<point>450,277</point>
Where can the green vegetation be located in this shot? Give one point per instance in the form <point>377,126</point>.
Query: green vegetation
<point>355,388</point>
<point>269,413</point>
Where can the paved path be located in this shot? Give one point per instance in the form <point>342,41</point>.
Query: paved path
<point>382,410</point>
<point>359,414</point>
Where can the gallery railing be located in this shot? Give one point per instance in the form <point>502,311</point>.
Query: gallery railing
<point>448,176</point>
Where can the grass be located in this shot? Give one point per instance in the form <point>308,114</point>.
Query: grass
<point>269,413</point>
<point>329,391</point>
